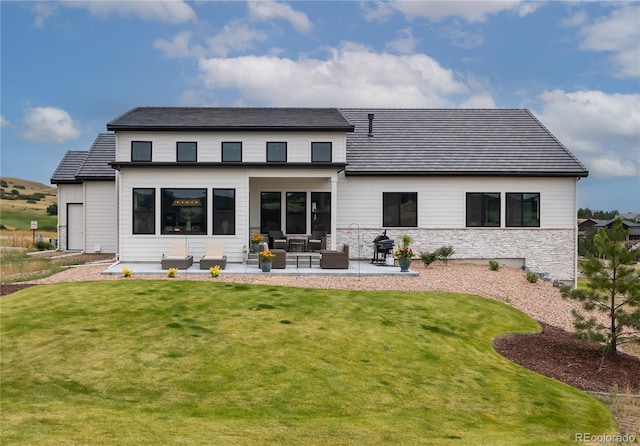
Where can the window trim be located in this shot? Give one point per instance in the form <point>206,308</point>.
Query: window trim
<point>330,160</point>
<point>213,210</point>
<point>150,152</point>
<point>399,220</point>
<point>521,225</point>
<point>285,151</point>
<point>133,210</point>
<point>222,151</point>
<point>482,224</point>
<point>178,151</point>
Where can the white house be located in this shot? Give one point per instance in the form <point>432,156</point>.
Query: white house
<point>494,184</point>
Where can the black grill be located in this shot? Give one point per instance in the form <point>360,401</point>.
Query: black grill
<point>382,247</point>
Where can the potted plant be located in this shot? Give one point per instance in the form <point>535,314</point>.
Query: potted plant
<point>404,254</point>
<point>265,260</point>
<point>256,238</point>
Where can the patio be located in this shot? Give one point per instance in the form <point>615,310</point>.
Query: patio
<point>356,268</point>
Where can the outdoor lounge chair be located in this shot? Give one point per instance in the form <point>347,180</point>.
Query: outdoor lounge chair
<point>317,241</point>
<point>213,255</point>
<point>178,256</point>
<point>277,240</point>
<point>338,259</point>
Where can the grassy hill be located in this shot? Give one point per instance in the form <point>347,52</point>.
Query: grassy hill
<point>23,201</point>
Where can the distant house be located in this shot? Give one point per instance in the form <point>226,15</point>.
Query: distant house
<point>585,225</point>
<point>494,184</point>
<point>631,226</point>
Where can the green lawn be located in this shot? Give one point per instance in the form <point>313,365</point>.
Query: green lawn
<point>177,362</point>
<point>21,219</point>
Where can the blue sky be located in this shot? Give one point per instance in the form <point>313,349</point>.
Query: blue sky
<point>68,68</point>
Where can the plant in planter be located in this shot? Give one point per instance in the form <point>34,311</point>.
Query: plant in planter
<point>256,238</point>
<point>404,254</point>
<point>265,260</point>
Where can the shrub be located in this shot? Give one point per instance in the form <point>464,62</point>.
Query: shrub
<point>532,277</point>
<point>173,272</point>
<point>214,271</point>
<point>52,209</point>
<point>493,265</point>
<point>126,272</point>
<point>41,245</point>
<point>445,252</point>
<point>428,258</point>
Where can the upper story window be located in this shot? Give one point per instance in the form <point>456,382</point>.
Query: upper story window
<point>140,150</point>
<point>483,209</point>
<point>400,209</point>
<point>321,152</point>
<point>231,152</point>
<point>276,152</point>
<point>523,209</point>
<point>187,151</point>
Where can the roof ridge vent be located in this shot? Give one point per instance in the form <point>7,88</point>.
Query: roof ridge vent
<point>370,116</point>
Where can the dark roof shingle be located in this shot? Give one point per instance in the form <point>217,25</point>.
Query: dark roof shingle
<point>231,118</point>
<point>93,164</point>
<point>455,142</point>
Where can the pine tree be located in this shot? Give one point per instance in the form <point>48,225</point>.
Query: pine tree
<point>614,288</point>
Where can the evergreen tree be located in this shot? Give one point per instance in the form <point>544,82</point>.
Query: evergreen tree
<point>614,288</point>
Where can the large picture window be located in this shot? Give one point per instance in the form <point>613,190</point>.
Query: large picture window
<point>187,152</point>
<point>224,211</point>
<point>270,212</point>
<point>321,211</point>
<point>144,211</point>
<point>140,150</point>
<point>184,211</point>
<point>321,152</point>
<point>231,152</point>
<point>523,209</point>
<point>483,209</point>
<point>400,209</point>
<point>296,212</point>
<point>276,152</point>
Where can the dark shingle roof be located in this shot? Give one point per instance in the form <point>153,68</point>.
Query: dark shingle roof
<point>455,142</point>
<point>78,166</point>
<point>68,167</point>
<point>102,152</point>
<point>227,118</point>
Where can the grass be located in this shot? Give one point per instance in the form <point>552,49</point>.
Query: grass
<point>178,362</point>
<point>17,266</point>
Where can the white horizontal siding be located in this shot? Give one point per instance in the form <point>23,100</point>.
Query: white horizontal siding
<point>254,147</point>
<point>149,248</point>
<point>442,200</point>
<point>67,193</point>
<point>100,217</point>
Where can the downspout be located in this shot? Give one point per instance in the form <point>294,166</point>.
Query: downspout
<point>575,233</point>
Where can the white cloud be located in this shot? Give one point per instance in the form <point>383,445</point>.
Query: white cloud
<point>470,11</point>
<point>4,122</point>
<point>269,10</point>
<point>617,33</point>
<point>405,44</point>
<point>235,36</point>
<point>179,46</point>
<point>164,11</point>
<point>601,129</point>
<point>352,75</point>
<point>49,124</point>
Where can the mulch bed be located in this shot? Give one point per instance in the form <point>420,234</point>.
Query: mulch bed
<point>553,353</point>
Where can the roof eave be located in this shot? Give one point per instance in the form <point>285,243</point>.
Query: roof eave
<point>465,173</point>
<point>165,128</point>
<point>244,165</point>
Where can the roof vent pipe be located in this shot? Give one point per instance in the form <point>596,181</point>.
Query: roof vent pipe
<point>370,116</point>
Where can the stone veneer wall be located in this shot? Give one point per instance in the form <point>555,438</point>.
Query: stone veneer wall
<point>62,238</point>
<point>550,251</point>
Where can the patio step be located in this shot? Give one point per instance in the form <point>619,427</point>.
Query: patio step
<point>291,260</point>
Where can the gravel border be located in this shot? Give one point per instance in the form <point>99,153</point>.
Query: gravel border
<point>541,300</point>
